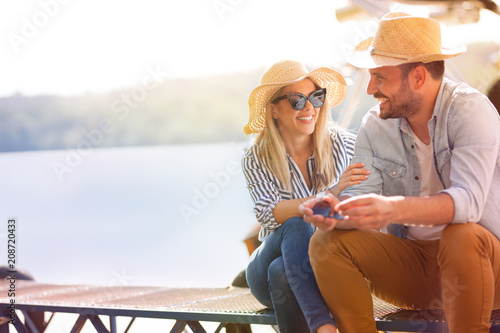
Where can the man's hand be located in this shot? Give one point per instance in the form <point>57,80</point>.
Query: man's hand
<point>323,223</point>
<point>368,211</point>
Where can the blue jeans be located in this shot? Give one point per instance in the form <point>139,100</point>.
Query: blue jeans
<point>280,276</point>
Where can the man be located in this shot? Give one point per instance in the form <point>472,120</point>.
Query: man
<point>432,147</point>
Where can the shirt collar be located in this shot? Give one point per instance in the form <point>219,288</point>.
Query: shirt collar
<point>437,105</point>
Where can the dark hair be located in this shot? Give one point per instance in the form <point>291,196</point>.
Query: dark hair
<point>435,68</point>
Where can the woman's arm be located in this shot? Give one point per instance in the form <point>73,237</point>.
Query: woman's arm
<point>263,191</point>
<point>353,175</point>
<point>286,209</point>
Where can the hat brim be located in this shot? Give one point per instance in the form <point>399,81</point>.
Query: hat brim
<point>324,77</point>
<point>361,56</point>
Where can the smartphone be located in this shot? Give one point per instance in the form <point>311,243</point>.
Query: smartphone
<point>323,208</point>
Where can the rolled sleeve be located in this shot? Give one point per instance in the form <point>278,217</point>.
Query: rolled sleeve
<point>263,191</point>
<point>263,209</point>
<point>475,139</point>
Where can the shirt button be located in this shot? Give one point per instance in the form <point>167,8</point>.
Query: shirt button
<point>412,146</point>
<point>394,173</point>
<point>416,177</point>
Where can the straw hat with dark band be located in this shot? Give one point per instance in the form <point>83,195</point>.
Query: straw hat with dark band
<point>288,72</point>
<point>402,39</point>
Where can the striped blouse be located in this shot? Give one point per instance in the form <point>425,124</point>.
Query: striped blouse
<point>266,190</point>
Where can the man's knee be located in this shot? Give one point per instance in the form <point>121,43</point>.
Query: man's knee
<point>460,236</point>
<point>319,246</point>
<point>461,241</point>
<point>460,230</point>
<point>326,244</point>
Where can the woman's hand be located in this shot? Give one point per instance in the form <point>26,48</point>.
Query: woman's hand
<point>353,175</point>
<point>323,223</point>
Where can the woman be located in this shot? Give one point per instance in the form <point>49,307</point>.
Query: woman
<point>297,154</point>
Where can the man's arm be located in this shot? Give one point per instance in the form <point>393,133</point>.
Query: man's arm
<point>474,139</point>
<point>375,211</point>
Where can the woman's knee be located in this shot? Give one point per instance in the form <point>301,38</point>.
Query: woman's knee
<point>297,223</point>
<point>296,231</point>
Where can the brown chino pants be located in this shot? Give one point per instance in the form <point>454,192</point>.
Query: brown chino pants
<point>460,272</point>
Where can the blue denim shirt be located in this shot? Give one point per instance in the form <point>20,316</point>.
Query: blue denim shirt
<point>465,133</point>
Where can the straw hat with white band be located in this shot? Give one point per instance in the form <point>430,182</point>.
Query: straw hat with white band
<point>288,72</point>
<point>401,39</point>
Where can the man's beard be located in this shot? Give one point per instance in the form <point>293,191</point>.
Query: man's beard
<point>404,104</point>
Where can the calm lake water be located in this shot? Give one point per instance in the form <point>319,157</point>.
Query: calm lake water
<point>159,216</point>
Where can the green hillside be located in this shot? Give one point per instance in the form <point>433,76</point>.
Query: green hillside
<point>211,109</point>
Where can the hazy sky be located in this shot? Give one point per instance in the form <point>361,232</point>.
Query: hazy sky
<point>79,46</point>
<point>74,46</point>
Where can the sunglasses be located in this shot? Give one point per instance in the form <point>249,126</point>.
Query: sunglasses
<point>298,101</point>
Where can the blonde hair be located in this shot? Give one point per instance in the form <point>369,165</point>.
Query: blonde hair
<point>273,152</point>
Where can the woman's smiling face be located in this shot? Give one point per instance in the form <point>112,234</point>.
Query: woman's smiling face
<point>291,121</point>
